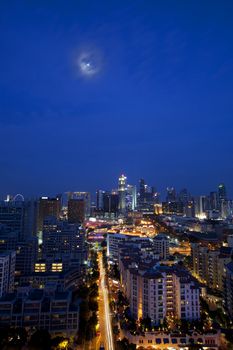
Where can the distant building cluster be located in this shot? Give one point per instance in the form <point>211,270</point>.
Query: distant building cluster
<point>171,254</point>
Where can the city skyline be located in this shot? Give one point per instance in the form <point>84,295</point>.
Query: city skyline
<point>101,88</point>
<point>162,191</point>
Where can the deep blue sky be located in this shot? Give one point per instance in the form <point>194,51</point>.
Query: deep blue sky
<point>160,107</point>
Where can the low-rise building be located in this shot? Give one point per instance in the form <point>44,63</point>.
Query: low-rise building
<point>37,308</point>
<point>162,340</point>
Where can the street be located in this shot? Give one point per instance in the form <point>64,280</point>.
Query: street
<point>106,335</point>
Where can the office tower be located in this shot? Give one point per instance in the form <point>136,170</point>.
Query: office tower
<point>20,216</point>
<point>228,289</point>
<point>142,190</point>
<point>48,206</point>
<point>213,200</point>
<point>161,245</point>
<point>26,256</point>
<point>201,207</point>
<point>111,202</point>
<point>65,241</point>
<point>222,193</point>
<point>122,193</point>
<point>171,194</point>
<point>173,208</point>
<point>189,208</point>
<point>18,232</point>
<point>131,197</point>
<point>226,209</point>
<point>76,211</point>
<point>7,271</point>
<point>84,196</point>
<point>184,196</point>
<point>147,197</point>
<point>8,238</point>
<point>100,200</point>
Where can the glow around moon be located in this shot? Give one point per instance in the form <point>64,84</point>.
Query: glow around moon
<point>89,63</point>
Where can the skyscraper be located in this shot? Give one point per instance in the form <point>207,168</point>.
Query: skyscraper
<point>142,190</point>
<point>20,216</point>
<point>131,197</point>
<point>7,270</point>
<point>48,207</point>
<point>222,193</point>
<point>111,202</point>
<point>100,199</point>
<point>65,241</point>
<point>76,210</point>
<point>85,196</point>
<point>122,193</point>
<point>171,194</point>
<point>184,196</point>
<point>213,200</point>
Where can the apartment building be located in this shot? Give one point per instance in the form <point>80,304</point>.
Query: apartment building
<point>158,291</point>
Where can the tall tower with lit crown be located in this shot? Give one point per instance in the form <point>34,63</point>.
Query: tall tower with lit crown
<point>122,193</point>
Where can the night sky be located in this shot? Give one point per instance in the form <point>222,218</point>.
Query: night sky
<point>93,89</point>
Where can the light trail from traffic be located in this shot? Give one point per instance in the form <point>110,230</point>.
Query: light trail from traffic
<point>108,326</point>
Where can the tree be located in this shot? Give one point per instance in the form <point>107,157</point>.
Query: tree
<point>93,305</point>
<point>40,340</point>
<point>146,323</point>
<point>125,345</point>
<point>3,337</point>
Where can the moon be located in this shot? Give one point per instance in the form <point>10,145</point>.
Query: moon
<point>89,63</point>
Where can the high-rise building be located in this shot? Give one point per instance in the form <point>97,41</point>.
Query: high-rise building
<point>8,238</point>
<point>157,291</point>
<point>26,256</point>
<point>230,241</point>
<point>65,241</point>
<point>222,193</point>
<point>147,197</point>
<point>131,197</point>
<point>122,193</point>
<point>142,190</point>
<point>7,271</point>
<point>184,196</point>
<point>173,208</point>
<point>100,200</point>
<point>84,196</point>
<point>76,211</point>
<point>213,200</point>
<point>161,244</point>
<point>201,207</point>
<point>20,216</point>
<point>208,265</point>
<point>228,289</point>
<point>171,194</point>
<point>48,207</point>
<point>111,202</point>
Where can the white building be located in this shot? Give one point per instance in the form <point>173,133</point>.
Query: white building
<point>114,240</point>
<point>157,291</point>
